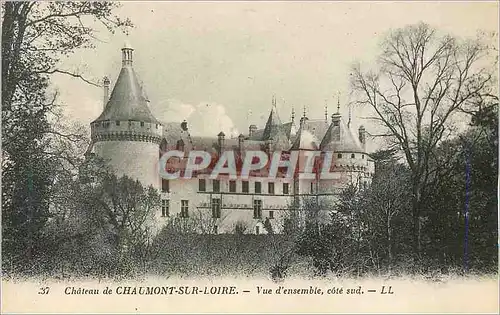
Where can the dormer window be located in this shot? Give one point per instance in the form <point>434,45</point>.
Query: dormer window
<point>335,123</point>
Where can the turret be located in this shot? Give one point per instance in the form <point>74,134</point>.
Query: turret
<point>126,133</point>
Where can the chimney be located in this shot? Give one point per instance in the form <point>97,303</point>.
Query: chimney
<point>241,138</point>
<point>269,145</point>
<point>362,136</point>
<point>127,51</point>
<point>251,130</point>
<point>106,92</point>
<point>220,141</point>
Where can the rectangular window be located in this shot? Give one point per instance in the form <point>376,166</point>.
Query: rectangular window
<point>142,124</point>
<point>271,214</point>
<point>165,208</point>
<point>216,185</point>
<point>312,188</point>
<point>216,229</point>
<point>285,188</point>
<point>339,155</point>
<point>216,208</point>
<point>362,156</point>
<point>232,186</point>
<point>165,185</point>
<point>184,209</point>
<point>245,186</point>
<point>258,187</point>
<point>118,123</point>
<point>270,188</point>
<point>202,184</point>
<point>257,230</point>
<point>257,209</point>
<point>352,156</point>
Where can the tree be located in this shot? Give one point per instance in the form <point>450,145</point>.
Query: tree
<point>387,205</point>
<point>423,81</point>
<point>36,151</point>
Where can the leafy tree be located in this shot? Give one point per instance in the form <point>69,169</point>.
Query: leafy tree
<point>36,152</point>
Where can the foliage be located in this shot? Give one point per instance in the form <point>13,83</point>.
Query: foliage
<point>39,155</point>
<point>423,81</point>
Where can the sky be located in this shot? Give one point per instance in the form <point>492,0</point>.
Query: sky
<point>218,64</point>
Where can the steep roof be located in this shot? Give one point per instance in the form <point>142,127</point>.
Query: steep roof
<point>127,101</point>
<point>340,138</point>
<point>273,125</point>
<point>305,140</point>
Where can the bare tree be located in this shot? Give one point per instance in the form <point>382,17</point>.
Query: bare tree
<point>423,80</point>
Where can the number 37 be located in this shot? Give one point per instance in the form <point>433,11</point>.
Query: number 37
<point>44,290</point>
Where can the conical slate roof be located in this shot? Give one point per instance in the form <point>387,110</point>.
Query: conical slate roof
<point>273,126</point>
<point>305,140</point>
<point>340,138</point>
<point>127,101</point>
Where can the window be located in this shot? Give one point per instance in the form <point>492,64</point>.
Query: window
<point>258,187</point>
<point>271,214</point>
<point>216,208</point>
<point>216,185</point>
<point>285,188</point>
<point>339,155</point>
<point>362,156</point>
<point>257,230</point>
<point>244,186</point>
<point>156,126</point>
<point>312,188</point>
<point>165,208</point>
<point>184,209</point>
<point>335,123</point>
<point>216,229</point>
<point>364,185</point>
<point>353,156</point>
<point>142,124</point>
<point>129,123</point>
<point>202,184</point>
<point>232,186</point>
<point>165,185</point>
<point>257,209</point>
<point>118,123</point>
<point>270,188</point>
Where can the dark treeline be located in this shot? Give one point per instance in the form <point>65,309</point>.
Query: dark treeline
<point>64,214</point>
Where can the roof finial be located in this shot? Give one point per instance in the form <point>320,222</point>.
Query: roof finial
<point>349,121</point>
<point>127,53</point>
<point>304,111</point>
<point>293,114</point>
<point>338,103</point>
<point>326,111</point>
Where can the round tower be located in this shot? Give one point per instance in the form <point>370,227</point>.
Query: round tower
<point>126,134</point>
